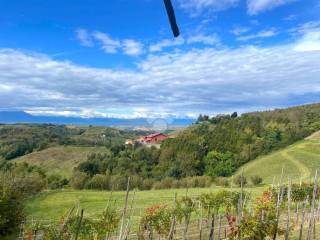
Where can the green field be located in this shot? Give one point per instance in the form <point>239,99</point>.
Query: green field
<point>60,159</point>
<point>299,161</point>
<point>52,205</point>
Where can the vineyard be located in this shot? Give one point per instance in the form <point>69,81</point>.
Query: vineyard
<point>283,211</point>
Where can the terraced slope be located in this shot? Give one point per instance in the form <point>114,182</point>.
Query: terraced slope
<point>60,159</point>
<point>299,161</point>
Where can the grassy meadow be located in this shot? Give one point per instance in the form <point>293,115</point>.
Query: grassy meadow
<point>59,159</point>
<point>51,205</point>
<point>299,162</point>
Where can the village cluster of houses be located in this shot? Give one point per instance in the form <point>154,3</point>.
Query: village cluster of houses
<point>155,138</point>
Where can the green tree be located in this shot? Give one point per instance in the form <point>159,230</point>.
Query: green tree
<point>219,164</point>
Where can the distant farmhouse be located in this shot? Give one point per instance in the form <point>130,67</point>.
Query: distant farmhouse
<point>155,138</point>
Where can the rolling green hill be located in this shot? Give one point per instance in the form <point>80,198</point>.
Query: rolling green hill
<point>60,159</point>
<point>299,161</point>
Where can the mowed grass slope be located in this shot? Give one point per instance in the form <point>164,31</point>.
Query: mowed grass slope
<point>52,205</point>
<point>299,161</point>
<point>59,159</point>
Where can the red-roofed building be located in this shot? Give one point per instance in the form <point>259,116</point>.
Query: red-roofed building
<point>153,138</point>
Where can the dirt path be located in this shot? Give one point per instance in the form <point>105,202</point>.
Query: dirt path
<point>315,135</point>
<point>304,171</point>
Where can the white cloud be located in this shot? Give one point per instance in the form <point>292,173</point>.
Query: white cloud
<point>237,31</point>
<point>84,37</point>
<point>201,80</point>
<point>157,47</point>
<point>109,45</point>
<point>262,34</point>
<point>290,17</point>
<point>195,7</point>
<point>306,27</point>
<point>257,6</point>
<point>204,39</point>
<point>308,35</point>
<point>199,38</point>
<point>132,47</point>
<point>309,42</point>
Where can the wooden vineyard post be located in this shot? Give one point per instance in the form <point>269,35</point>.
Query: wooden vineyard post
<point>239,218</point>
<point>66,221</point>
<point>124,210</point>
<point>201,221</point>
<point>279,199</point>
<point>211,236</point>
<point>317,213</point>
<point>288,214</point>
<point>303,217</point>
<point>250,204</point>
<point>273,180</point>
<point>127,229</point>
<point>219,230</point>
<point>310,228</point>
<point>173,221</point>
<point>79,225</point>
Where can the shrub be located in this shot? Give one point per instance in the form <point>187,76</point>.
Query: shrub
<point>98,181</point>
<point>136,182</point>
<point>237,180</point>
<point>118,182</point>
<point>251,225</point>
<point>14,189</point>
<point>30,184</point>
<point>256,180</point>
<point>11,207</point>
<point>221,181</point>
<point>165,183</point>
<point>147,184</point>
<point>157,218</point>
<point>195,182</point>
<point>101,228</point>
<point>78,180</point>
<point>109,222</point>
<point>56,181</point>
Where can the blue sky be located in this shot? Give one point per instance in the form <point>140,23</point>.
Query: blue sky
<point>118,57</point>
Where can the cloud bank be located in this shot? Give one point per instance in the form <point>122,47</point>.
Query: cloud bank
<point>181,83</point>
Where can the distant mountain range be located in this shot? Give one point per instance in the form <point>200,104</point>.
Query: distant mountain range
<point>11,117</point>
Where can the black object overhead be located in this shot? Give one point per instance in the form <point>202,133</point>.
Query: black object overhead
<point>172,18</point>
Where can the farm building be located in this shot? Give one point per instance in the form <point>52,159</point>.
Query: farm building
<point>153,138</point>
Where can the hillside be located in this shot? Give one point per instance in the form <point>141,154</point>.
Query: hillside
<point>60,159</point>
<point>220,145</point>
<point>299,160</point>
<point>216,146</point>
<point>21,139</point>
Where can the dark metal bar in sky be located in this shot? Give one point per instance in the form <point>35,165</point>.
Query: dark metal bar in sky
<point>172,18</point>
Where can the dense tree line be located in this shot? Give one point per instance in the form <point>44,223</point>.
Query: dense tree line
<point>19,140</point>
<point>215,146</point>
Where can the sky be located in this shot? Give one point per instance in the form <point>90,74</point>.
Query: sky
<point>118,58</point>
